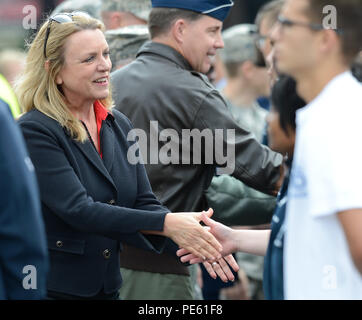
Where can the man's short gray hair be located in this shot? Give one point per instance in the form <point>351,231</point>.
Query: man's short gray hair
<point>162,19</point>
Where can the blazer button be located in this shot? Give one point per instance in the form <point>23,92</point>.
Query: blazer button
<point>106,254</point>
<point>59,244</point>
<point>112,202</point>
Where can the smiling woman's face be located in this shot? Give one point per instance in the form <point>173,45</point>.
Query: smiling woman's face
<point>85,74</point>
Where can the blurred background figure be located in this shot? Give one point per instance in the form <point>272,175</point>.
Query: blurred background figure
<point>216,74</point>
<point>265,20</point>
<point>247,77</point>
<point>92,7</point>
<point>12,64</point>
<point>124,44</point>
<point>123,13</point>
<point>233,202</point>
<point>9,97</point>
<point>127,31</point>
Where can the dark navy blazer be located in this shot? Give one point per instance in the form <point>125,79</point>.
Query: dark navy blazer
<point>90,204</point>
<point>23,253</point>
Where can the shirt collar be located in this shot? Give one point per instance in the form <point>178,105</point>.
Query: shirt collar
<point>166,52</point>
<point>100,111</point>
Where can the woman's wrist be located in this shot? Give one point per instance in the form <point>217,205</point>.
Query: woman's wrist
<point>166,224</point>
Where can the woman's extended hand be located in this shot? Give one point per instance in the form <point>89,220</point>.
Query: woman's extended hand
<point>220,267</point>
<point>223,234</point>
<point>185,229</point>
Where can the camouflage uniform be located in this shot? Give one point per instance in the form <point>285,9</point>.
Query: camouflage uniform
<point>92,7</point>
<point>140,8</point>
<point>239,44</point>
<point>124,44</point>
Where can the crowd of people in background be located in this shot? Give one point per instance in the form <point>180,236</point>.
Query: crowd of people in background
<point>283,223</point>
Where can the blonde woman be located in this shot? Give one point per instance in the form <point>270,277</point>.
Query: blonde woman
<point>92,197</point>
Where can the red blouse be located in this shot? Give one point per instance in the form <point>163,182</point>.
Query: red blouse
<point>101,114</point>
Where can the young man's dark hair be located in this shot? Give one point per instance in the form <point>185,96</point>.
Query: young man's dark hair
<point>161,19</point>
<point>286,102</point>
<point>349,23</point>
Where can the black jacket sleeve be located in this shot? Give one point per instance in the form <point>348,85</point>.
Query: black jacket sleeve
<point>63,193</point>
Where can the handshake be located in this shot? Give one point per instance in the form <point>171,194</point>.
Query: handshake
<point>211,245</point>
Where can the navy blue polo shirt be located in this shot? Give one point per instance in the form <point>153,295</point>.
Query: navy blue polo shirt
<point>273,262</point>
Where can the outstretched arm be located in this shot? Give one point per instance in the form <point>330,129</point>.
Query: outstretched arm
<point>249,241</point>
<point>184,229</point>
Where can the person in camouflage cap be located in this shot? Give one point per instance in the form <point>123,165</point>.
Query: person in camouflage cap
<point>140,9</point>
<point>126,24</point>
<point>124,44</point>
<point>240,44</point>
<point>92,7</point>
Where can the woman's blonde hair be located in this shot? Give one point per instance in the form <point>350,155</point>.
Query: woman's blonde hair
<point>37,87</point>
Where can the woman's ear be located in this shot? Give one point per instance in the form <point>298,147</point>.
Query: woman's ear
<point>58,78</point>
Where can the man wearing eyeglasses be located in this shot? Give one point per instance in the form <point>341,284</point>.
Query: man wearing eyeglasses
<point>323,246</point>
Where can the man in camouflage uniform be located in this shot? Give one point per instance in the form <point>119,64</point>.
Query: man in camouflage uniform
<point>127,31</point>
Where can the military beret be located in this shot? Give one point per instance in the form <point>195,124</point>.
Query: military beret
<point>217,9</point>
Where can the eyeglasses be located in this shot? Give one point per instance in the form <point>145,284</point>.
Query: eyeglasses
<point>284,22</point>
<point>62,18</point>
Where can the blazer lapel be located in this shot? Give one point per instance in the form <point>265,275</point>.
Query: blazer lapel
<point>107,145</point>
<point>92,155</point>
